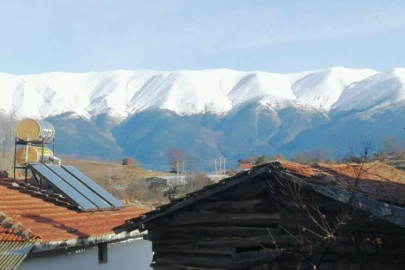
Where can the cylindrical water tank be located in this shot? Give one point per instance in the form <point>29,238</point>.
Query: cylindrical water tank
<point>31,130</point>
<point>34,154</point>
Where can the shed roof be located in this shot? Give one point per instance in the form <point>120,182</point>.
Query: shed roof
<point>375,180</point>
<point>378,188</point>
<point>26,215</point>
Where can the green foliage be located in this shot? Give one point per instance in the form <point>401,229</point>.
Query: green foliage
<point>260,160</point>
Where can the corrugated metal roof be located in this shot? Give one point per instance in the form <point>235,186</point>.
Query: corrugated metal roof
<point>13,253</point>
<point>26,215</point>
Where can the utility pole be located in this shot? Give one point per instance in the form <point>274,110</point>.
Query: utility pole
<point>220,165</point>
<point>109,174</point>
<point>224,166</point>
<point>215,166</point>
<point>184,166</point>
<point>177,169</point>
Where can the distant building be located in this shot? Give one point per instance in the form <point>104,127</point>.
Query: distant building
<point>38,231</point>
<point>165,182</point>
<point>216,177</point>
<point>243,167</point>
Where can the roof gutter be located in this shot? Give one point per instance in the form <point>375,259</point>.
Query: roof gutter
<point>88,241</point>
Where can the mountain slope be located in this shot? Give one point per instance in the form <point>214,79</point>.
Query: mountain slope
<point>381,90</point>
<point>210,113</point>
<point>324,88</point>
<point>78,136</point>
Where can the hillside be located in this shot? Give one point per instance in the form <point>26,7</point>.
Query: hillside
<point>124,182</point>
<point>120,174</point>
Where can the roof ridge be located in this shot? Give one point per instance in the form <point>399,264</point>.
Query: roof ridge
<point>17,228</point>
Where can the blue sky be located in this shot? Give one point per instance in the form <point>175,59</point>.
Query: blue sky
<point>39,36</point>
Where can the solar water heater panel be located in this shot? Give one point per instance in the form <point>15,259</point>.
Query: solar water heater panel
<point>94,186</point>
<point>67,190</point>
<point>81,188</point>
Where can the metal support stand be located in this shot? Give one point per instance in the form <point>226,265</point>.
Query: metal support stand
<point>19,142</point>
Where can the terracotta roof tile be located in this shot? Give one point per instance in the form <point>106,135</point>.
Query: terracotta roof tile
<point>7,235</point>
<point>246,166</point>
<point>43,218</point>
<point>375,179</point>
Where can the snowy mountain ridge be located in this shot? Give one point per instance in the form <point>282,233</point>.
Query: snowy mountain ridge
<point>124,93</point>
<point>209,113</point>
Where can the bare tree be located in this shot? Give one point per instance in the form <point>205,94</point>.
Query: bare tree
<point>175,158</point>
<point>7,139</point>
<point>130,162</point>
<point>190,164</point>
<point>359,154</point>
<point>137,190</point>
<point>276,157</point>
<point>196,182</point>
<point>390,148</point>
<point>326,227</point>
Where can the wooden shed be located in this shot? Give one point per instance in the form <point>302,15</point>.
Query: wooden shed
<point>284,216</point>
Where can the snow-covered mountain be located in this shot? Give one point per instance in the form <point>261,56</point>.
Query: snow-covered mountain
<point>124,93</point>
<point>324,88</point>
<point>383,89</point>
<point>210,113</point>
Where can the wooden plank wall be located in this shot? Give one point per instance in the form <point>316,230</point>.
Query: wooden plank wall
<point>265,225</point>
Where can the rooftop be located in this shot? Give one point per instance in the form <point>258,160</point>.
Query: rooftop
<point>376,180</point>
<point>376,187</point>
<point>246,166</point>
<point>26,215</point>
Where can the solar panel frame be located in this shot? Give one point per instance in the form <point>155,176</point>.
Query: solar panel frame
<point>94,186</point>
<point>80,187</point>
<point>63,187</point>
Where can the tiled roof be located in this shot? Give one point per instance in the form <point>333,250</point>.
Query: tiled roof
<point>246,166</point>
<point>375,180</point>
<point>26,215</point>
<point>7,235</point>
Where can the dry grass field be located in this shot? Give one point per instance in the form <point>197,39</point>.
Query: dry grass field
<point>124,181</point>
<point>119,174</point>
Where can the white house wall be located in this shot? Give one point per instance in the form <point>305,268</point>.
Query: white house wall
<point>134,255</point>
